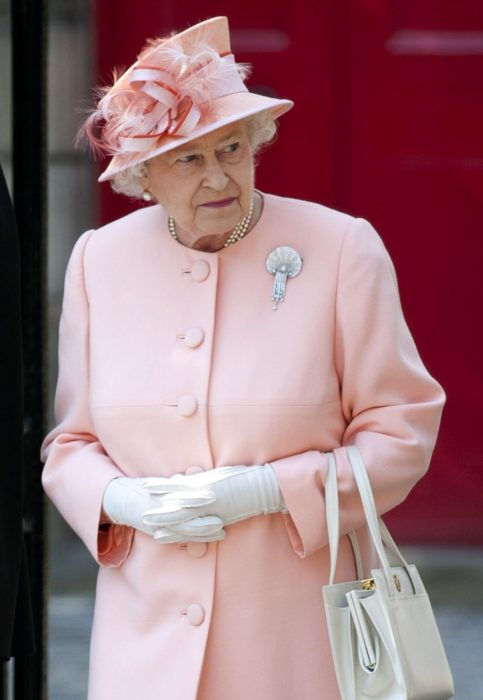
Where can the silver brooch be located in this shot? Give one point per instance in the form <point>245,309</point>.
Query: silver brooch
<point>282,262</point>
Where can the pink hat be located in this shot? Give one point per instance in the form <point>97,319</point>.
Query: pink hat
<point>180,88</point>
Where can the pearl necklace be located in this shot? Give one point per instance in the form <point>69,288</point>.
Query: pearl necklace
<point>236,235</point>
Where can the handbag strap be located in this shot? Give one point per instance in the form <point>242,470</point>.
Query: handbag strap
<point>332,513</point>
<point>379,533</point>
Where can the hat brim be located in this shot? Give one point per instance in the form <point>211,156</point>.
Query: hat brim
<point>225,110</point>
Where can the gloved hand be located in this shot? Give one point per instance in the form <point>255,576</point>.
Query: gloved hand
<point>125,501</point>
<point>229,493</point>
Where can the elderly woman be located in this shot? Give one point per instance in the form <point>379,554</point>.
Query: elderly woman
<point>214,347</point>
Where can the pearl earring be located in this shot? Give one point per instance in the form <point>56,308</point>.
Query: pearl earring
<point>147,196</point>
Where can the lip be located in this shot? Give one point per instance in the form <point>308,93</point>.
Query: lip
<point>219,203</point>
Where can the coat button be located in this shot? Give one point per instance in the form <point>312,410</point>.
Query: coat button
<point>194,337</point>
<point>195,614</point>
<point>197,549</point>
<point>200,270</point>
<point>194,470</point>
<point>187,405</point>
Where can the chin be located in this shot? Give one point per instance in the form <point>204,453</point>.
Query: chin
<point>216,225</point>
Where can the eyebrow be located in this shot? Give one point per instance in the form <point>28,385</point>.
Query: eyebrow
<point>233,134</point>
<point>189,147</point>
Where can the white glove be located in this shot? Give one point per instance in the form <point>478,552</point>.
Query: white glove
<point>125,501</point>
<point>230,493</point>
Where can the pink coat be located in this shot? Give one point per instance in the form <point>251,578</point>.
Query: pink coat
<point>173,359</point>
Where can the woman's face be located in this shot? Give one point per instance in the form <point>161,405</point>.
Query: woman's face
<point>206,185</point>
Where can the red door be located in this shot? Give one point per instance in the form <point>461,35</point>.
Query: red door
<point>410,150</point>
<point>387,125</point>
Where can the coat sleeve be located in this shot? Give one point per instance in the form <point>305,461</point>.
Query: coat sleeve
<point>392,407</point>
<point>77,469</point>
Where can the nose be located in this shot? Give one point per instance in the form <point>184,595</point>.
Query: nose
<point>214,176</point>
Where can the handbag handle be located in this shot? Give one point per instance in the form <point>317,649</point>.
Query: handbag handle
<point>377,529</point>
<point>332,513</point>
<point>380,535</point>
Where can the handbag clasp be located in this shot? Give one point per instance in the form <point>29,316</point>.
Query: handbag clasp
<point>368,584</point>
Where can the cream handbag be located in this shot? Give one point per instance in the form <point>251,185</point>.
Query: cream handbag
<point>384,638</point>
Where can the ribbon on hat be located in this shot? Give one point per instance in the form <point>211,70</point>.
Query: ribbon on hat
<point>151,101</point>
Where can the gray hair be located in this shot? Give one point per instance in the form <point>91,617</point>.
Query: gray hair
<point>261,131</point>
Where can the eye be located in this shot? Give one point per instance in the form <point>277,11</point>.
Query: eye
<point>187,159</point>
<point>232,147</point>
